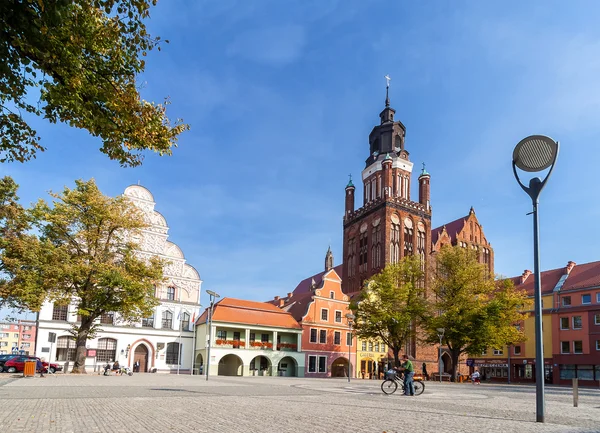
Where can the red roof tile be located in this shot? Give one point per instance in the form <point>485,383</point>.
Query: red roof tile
<point>549,280</point>
<point>250,313</point>
<point>583,276</point>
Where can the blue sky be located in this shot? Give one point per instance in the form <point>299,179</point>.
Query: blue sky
<point>281,97</point>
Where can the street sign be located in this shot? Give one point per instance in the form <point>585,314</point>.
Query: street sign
<point>51,337</point>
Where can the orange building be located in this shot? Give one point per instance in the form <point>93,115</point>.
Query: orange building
<point>320,306</point>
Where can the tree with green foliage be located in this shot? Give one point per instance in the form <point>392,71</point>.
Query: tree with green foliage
<point>392,305</point>
<point>81,59</point>
<point>475,310</point>
<point>82,251</point>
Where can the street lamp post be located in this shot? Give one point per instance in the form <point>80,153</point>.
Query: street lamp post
<point>350,318</point>
<point>534,154</point>
<point>213,296</point>
<point>441,332</point>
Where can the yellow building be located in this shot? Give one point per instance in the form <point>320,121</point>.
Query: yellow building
<point>371,358</point>
<point>494,363</point>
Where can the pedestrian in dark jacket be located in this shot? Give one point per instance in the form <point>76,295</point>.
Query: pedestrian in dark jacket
<point>39,366</point>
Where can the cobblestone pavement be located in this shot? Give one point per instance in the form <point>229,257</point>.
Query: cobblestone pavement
<point>170,403</point>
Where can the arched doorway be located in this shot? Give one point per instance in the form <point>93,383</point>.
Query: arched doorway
<point>339,367</point>
<point>260,366</point>
<point>230,365</point>
<point>287,367</point>
<point>446,363</point>
<point>199,364</point>
<point>141,355</point>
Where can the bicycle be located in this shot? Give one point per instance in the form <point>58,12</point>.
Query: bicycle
<point>391,383</point>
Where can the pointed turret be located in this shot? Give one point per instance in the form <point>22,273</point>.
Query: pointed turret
<point>328,260</point>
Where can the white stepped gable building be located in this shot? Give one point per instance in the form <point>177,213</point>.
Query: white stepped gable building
<point>154,341</point>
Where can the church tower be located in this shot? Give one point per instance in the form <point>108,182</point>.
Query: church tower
<point>389,225</point>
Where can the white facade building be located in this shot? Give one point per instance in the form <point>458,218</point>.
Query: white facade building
<point>153,342</point>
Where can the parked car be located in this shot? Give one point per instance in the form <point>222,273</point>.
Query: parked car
<point>3,359</point>
<point>17,364</point>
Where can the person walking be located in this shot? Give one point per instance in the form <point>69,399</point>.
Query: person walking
<point>425,374</point>
<point>409,371</point>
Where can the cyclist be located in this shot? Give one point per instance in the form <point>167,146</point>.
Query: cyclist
<point>409,371</point>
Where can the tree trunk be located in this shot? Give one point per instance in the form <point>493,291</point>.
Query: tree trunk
<point>81,345</point>
<point>454,355</point>
<point>396,351</point>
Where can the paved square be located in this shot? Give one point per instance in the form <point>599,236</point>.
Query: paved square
<point>170,403</point>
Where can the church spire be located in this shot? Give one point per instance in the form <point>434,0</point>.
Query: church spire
<point>387,115</point>
<point>328,260</point>
<point>387,91</point>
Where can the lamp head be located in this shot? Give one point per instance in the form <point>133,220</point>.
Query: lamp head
<point>211,293</point>
<point>535,153</point>
<point>441,330</point>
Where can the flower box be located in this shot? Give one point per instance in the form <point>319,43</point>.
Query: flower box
<point>234,343</point>
<point>287,346</point>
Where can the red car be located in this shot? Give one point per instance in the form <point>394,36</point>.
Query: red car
<point>17,363</point>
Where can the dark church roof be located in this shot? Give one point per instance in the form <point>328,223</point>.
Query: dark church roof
<point>305,285</point>
<point>453,228</point>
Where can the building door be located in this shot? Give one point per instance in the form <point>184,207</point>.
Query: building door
<point>141,355</point>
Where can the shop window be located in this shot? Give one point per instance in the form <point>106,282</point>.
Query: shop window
<point>567,372</point>
<point>564,323</point>
<point>578,347</point>
<point>312,364</point>
<point>585,372</point>
<point>565,347</point>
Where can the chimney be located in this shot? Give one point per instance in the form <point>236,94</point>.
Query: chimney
<point>570,267</point>
<point>290,295</point>
<point>276,298</point>
<point>526,273</point>
<point>281,303</point>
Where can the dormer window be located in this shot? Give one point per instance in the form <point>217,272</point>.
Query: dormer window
<point>332,295</point>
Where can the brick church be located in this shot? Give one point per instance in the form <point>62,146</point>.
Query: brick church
<point>390,224</point>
